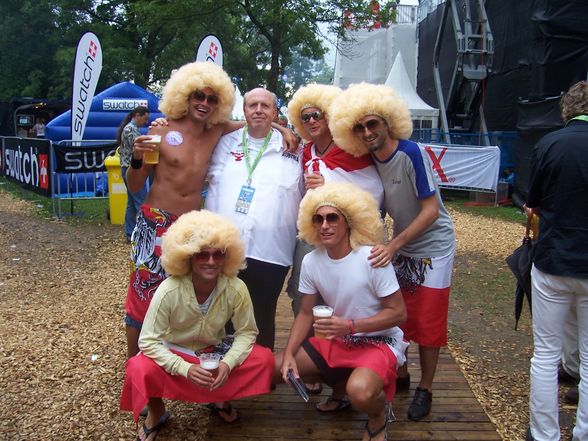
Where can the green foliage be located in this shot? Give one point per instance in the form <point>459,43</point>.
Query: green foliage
<point>143,40</point>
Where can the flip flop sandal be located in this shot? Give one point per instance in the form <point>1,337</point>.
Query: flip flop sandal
<point>155,429</point>
<point>377,432</point>
<point>342,404</point>
<point>227,411</point>
<point>315,391</point>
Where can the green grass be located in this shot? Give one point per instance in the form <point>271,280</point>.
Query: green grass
<point>458,201</point>
<point>91,211</point>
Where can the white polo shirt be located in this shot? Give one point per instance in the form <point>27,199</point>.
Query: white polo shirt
<point>269,228</point>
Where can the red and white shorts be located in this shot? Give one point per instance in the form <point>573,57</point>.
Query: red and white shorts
<point>427,301</point>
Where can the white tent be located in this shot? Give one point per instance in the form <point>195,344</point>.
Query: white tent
<point>237,113</point>
<point>398,79</point>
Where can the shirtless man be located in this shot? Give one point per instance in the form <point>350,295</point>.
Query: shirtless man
<point>198,100</point>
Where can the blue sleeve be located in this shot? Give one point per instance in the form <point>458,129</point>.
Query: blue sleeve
<point>422,170</point>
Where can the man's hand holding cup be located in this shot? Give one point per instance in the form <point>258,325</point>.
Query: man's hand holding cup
<point>147,147</point>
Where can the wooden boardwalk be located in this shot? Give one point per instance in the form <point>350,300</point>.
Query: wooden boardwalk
<point>282,415</point>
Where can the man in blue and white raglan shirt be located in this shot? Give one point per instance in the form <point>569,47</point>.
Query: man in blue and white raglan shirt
<point>372,118</point>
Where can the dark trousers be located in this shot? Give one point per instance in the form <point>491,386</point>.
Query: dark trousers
<point>265,282</point>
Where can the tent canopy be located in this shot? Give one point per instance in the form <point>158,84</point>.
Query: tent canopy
<point>398,79</point>
<point>237,113</point>
<point>107,111</point>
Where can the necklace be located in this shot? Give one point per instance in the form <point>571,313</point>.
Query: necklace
<point>324,150</point>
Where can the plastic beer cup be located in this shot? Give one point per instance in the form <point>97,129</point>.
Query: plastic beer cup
<point>321,312</point>
<point>210,361</point>
<point>153,156</point>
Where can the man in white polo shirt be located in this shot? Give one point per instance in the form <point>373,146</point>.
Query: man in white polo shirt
<point>257,184</point>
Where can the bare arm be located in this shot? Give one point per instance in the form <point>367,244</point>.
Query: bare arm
<point>382,254</point>
<point>136,177</point>
<point>302,325</point>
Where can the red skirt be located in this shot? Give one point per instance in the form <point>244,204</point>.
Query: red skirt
<point>379,358</point>
<point>144,379</point>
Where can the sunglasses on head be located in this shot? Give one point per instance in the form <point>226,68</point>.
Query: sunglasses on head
<point>201,96</point>
<point>371,124</point>
<point>204,256</point>
<point>317,115</point>
<point>331,218</point>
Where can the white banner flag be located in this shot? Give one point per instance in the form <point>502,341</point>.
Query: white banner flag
<point>464,166</point>
<point>87,68</point>
<point>210,49</point>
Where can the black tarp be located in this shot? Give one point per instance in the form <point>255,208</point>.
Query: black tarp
<point>535,120</point>
<point>560,46</point>
<point>541,49</point>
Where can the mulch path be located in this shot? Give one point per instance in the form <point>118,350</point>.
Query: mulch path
<point>62,344</point>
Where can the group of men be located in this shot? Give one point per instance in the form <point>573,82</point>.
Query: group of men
<point>383,293</point>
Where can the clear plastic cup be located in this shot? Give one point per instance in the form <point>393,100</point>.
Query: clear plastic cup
<point>153,156</point>
<point>210,361</point>
<point>321,312</point>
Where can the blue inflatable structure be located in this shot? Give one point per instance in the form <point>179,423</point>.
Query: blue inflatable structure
<point>107,111</point>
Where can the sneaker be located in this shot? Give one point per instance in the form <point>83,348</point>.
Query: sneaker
<point>572,396</point>
<point>421,404</point>
<point>402,383</point>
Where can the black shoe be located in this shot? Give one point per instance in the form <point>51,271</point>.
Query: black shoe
<point>572,396</point>
<point>564,377</point>
<point>403,383</point>
<point>528,436</point>
<point>421,404</point>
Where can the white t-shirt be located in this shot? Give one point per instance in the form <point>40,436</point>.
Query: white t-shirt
<point>269,228</point>
<point>353,288</point>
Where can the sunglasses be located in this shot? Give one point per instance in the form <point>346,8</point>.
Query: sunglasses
<point>317,115</point>
<point>204,256</point>
<point>371,125</point>
<point>319,219</point>
<point>201,96</point>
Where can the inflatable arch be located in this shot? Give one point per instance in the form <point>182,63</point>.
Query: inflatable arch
<point>107,111</point>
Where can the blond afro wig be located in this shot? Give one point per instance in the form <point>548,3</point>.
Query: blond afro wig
<point>194,231</point>
<point>359,101</point>
<point>359,208</point>
<point>314,95</point>
<point>197,76</point>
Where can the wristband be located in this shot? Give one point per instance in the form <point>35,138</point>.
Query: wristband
<point>136,163</point>
<point>352,326</point>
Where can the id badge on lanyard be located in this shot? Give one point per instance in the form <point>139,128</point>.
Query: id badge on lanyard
<point>247,191</point>
<point>244,200</point>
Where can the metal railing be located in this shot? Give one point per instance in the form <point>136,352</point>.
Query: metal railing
<point>73,185</point>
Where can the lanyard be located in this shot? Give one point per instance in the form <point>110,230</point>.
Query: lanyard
<point>580,118</point>
<point>250,167</point>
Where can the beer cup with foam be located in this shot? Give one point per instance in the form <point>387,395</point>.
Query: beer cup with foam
<point>321,312</point>
<point>152,157</point>
<point>210,361</point>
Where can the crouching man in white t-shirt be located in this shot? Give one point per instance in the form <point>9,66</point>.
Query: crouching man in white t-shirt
<point>362,345</point>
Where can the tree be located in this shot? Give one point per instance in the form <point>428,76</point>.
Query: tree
<point>143,40</point>
<point>28,30</point>
<point>289,26</point>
